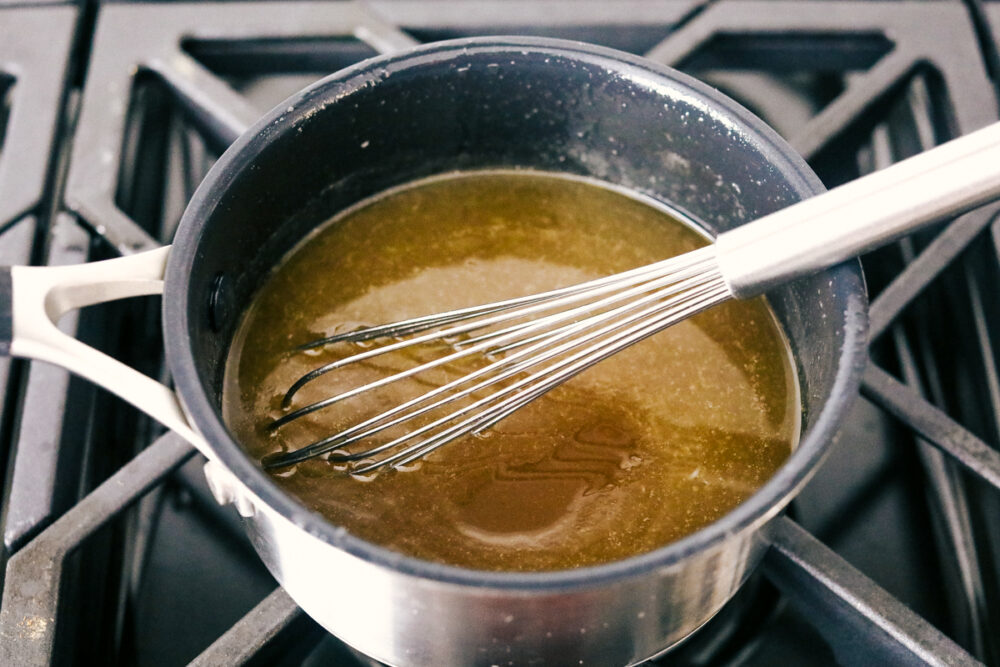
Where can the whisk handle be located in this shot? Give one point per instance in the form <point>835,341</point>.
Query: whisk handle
<point>862,215</point>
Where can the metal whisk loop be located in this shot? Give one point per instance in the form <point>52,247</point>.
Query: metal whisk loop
<point>498,371</point>
<point>653,297</point>
<point>538,383</point>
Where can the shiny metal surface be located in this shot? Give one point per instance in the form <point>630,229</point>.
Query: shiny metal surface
<point>402,619</point>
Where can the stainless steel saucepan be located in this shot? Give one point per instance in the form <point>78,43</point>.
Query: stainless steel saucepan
<point>469,104</point>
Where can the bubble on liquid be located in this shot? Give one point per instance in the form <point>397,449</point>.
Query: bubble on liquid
<point>631,462</point>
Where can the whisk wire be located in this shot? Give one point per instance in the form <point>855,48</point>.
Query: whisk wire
<point>656,295</point>
<point>683,266</point>
<point>666,285</point>
<point>417,324</point>
<point>535,385</point>
<point>531,356</point>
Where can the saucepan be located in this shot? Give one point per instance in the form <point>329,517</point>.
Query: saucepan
<point>519,103</point>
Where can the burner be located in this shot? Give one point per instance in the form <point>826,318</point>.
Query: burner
<point>108,125</point>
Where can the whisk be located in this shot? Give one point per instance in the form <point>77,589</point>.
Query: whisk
<point>531,344</point>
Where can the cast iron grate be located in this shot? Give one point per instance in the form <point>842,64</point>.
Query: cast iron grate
<point>33,76</point>
<point>885,89</point>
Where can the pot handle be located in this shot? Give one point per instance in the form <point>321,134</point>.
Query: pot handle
<point>33,298</point>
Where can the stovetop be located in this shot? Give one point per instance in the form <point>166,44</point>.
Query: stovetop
<point>111,113</point>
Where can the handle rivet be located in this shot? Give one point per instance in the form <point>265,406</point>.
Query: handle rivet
<point>221,302</point>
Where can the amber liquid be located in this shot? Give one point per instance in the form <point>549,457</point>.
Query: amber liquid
<point>638,451</point>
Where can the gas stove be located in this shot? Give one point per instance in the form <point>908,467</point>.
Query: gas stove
<point>115,552</point>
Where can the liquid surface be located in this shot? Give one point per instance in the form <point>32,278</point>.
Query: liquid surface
<point>638,451</point>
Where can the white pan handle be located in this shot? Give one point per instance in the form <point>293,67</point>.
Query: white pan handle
<point>33,298</point>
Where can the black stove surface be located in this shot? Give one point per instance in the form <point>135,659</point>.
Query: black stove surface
<point>116,553</point>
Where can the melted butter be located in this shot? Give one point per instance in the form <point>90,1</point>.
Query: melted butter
<point>634,453</point>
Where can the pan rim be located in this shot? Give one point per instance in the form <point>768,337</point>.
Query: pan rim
<point>767,502</point>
